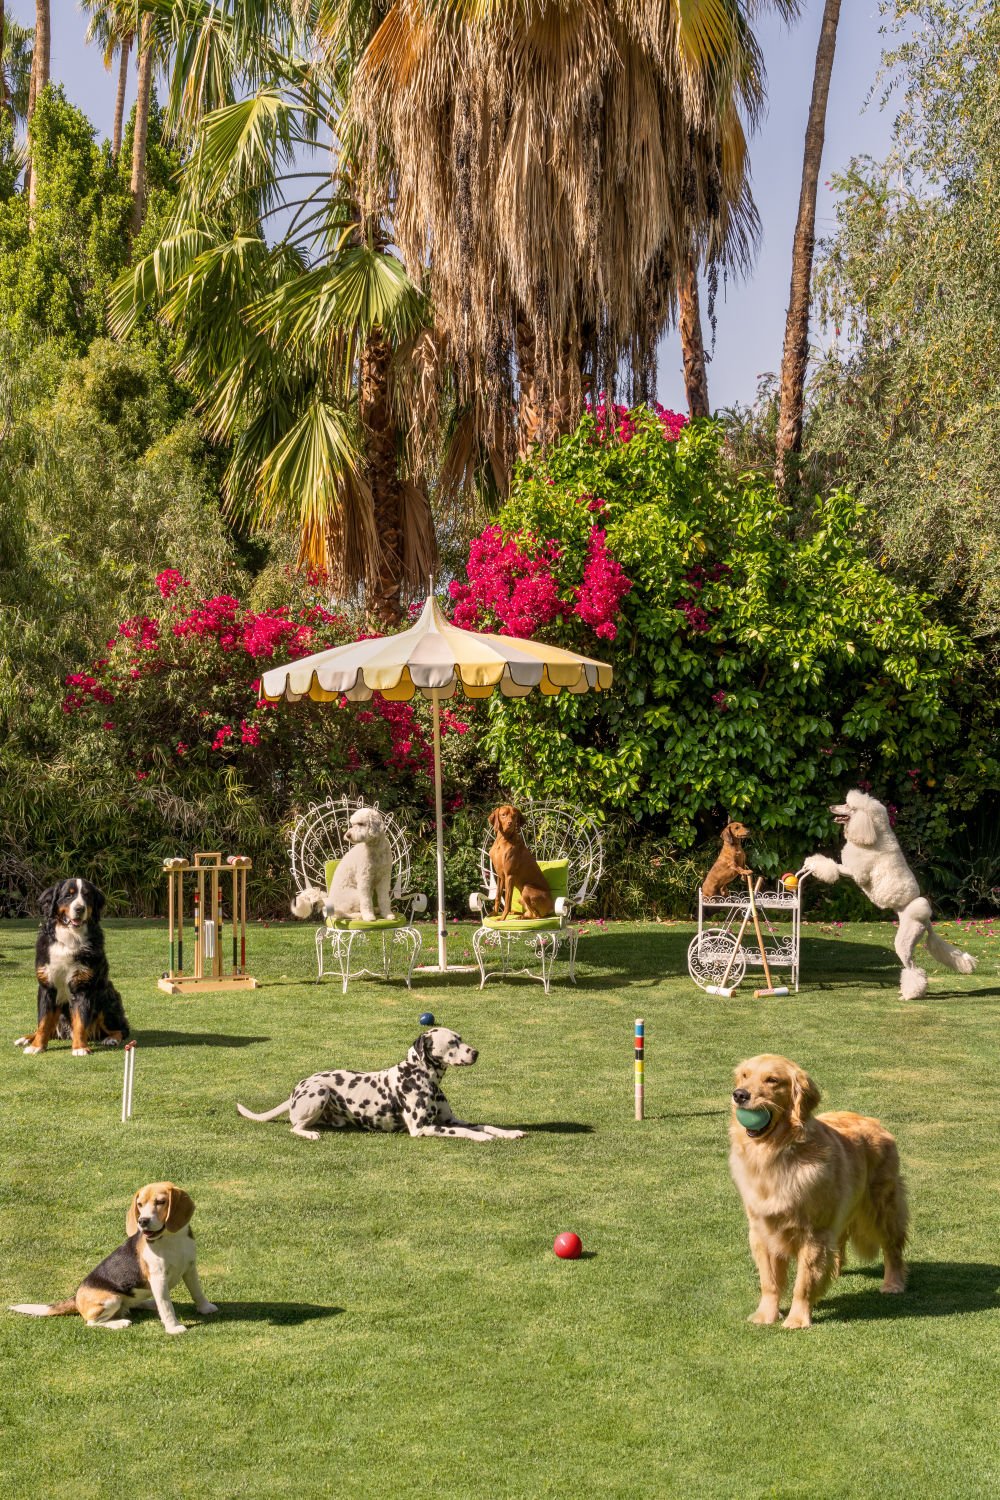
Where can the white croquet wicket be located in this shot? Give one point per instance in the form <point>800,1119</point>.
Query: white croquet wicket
<point>129,1079</point>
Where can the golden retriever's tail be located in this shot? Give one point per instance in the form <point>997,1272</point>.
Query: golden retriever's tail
<point>272,1114</point>
<point>45,1309</point>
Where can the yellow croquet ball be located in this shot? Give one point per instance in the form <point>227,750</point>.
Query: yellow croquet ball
<point>790,882</point>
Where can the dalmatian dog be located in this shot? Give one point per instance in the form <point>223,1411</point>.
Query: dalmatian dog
<point>406,1097</point>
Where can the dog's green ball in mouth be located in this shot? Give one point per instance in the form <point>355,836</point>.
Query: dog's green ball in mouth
<point>754,1119</point>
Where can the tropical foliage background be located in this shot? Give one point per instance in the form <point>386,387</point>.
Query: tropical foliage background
<point>310,327</point>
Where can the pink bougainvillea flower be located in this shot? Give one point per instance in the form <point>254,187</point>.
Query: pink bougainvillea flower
<point>511,579</point>
<point>169,581</point>
<point>604,585</point>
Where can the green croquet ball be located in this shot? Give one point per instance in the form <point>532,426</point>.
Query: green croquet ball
<point>754,1119</point>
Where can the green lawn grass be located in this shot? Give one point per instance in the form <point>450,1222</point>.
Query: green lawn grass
<point>392,1319</point>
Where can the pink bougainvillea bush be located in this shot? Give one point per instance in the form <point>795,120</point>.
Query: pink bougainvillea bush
<point>170,721</point>
<point>759,669</point>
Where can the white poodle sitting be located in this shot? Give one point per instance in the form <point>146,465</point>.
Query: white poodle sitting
<point>874,861</point>
<point>362,878</point>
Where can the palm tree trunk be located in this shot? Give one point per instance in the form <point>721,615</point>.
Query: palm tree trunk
<point>546,410</point>
<point>40,63</point>
<point>3,80</point>
<point>123,62</point>
<point>378,422</point>
<point>795,357</point>
<point>142,124</point>
<point>692,342</point>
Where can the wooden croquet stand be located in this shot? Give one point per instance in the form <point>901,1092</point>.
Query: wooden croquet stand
<point>209,872</point>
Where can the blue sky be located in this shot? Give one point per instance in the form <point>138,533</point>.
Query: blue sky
<point>751,318</point>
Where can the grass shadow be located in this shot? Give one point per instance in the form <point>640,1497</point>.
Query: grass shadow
<point>691,1114</point>
<point>197,1039</point>
<point>936,1289</point>
<point>559,1127</point>
<point>276,1313</point>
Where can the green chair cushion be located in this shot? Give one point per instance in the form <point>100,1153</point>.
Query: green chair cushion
<point>556,872</point>
<point>354,924</point>
<point>522,924</point>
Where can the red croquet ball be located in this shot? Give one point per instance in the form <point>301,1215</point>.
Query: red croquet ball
<point>568,1246</point>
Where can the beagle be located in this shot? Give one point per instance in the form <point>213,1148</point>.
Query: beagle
<point>159,1252</point>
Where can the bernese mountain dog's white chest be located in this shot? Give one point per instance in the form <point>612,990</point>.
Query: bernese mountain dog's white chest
<point>64,958</point>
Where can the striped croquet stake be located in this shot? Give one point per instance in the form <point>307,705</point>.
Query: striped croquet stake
<point>640,1041</point>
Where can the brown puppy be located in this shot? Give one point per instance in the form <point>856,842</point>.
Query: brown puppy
<point>516,867</point>
<point>810,1185</point>
<point>730,865</point>
<point>159,1252</point>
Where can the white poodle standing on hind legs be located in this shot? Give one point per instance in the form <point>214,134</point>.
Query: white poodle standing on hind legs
<point>873,859</point>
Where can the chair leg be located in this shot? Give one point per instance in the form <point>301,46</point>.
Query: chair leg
<point>543,946</point>
<point>572,937</point>
<point>413,940</point>
<point>478,938</point>
<point>344,942</point>
<point>320,935</point>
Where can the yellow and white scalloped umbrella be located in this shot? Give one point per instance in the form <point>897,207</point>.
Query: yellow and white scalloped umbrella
<point>436,659</point>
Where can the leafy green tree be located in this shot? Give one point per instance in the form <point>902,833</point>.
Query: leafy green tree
<point>759,670</point>
<point>905,404</point>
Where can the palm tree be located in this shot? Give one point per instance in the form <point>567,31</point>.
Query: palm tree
<point>138,182</point>
<point>15,67</point>
<point>795,356</point>
<point>112,25</point>
<point>40,64</point>
<point>292,343</point>
<point>552,267</point>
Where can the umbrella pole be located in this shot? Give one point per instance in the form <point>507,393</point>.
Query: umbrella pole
<point>439,821</point>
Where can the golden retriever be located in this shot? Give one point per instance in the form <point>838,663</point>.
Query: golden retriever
<point>810,1185</point>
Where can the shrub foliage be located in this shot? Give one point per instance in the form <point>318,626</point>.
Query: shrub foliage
<point>760,669</point>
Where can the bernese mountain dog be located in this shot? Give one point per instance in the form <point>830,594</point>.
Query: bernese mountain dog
<point>76,999</point>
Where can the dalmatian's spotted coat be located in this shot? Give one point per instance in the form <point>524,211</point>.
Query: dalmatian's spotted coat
<point>406,1097</point>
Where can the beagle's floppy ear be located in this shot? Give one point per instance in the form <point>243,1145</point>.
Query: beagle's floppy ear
<point>494,820</point>
<point>805,1097</point>
<point>180,1207</point>
<point>518,819</point>
<point>861,829</point>
<point>132,1217</point>
<point>47,901</point>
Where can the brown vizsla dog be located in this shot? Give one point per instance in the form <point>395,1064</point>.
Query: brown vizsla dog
<point>731,863</point>
<point>516,867</point>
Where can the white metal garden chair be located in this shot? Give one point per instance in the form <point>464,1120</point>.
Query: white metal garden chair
<point>319,842</point>
<point>568,846</point>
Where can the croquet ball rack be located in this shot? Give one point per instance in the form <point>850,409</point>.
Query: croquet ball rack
<point>203,879</point>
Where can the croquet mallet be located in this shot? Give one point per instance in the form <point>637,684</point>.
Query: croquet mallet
<point>720,989</point>
<point>782,989</point>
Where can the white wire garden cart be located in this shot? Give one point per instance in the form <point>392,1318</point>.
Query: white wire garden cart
<point>568,846</point>
<point>319,842</point>
<point>725,944</point>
